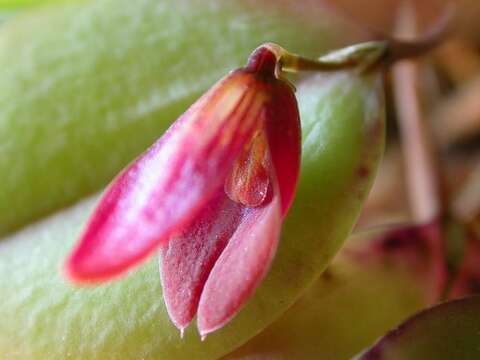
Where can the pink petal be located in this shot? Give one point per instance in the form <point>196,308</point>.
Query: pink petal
<point>284,138</point>
<point>186,262</point>
<point>241,266</point>
<point>187,259</point>
<point>166,188</point>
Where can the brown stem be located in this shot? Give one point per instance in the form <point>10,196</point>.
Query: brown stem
<point>365,56</point>
<point>398,49</point>
<point>423,173</point>
<point>404,49</point>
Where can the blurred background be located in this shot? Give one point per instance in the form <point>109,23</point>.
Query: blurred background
<point>61,82</point>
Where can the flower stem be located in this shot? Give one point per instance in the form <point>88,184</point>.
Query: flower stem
<point>405,49</point>
<point>364,56</point>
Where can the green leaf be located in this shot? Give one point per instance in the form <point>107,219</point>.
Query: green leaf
<point>87,87</point>
<point>23,4</point>
<point>5,15</point>
<point>45,317</point>
<point>445,332</point>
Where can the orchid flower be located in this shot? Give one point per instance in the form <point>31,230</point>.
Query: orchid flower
<point>210,195</point>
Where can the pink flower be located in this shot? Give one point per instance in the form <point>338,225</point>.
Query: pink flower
<point>210,194</point>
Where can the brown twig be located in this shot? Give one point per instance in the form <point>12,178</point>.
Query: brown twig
<point>426,197</point>
<point>406,49</point>
<point>369,55</point>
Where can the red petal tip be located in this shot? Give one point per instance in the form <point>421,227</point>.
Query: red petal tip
<point>73,274</point>
<point>240,268</point>
<point>262,61</point>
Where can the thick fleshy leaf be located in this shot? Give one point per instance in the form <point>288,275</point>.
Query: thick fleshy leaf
<point>241,266</point>
<point>188,258</point>
<point>445,332</point>
<point>168,186</point>
<point>5,15</point>
<point>20,4</point>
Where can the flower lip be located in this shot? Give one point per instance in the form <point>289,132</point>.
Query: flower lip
<point>249,180</point>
